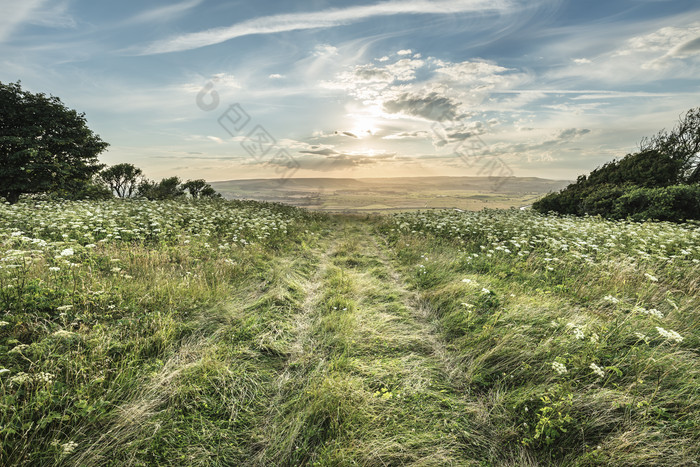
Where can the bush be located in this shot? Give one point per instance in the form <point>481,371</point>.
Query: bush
<point>659,182</point>
<point>673,203</point>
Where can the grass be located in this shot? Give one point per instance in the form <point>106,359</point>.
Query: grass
<point>240,333</point>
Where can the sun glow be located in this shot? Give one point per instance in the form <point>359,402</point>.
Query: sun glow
<point>363,126</point>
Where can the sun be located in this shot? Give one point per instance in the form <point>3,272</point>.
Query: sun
<point>363,126</point>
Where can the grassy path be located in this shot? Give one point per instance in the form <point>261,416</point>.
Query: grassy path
<point>365,383</point>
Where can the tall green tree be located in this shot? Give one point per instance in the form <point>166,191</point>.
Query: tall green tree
<point>123,179</point>
<point>44,146</point>
<point>200,189</point>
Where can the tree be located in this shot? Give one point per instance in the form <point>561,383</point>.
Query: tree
<point>200,189</point>
<point>682,144</point>
<point>44,146</point>
<point>662,181</point>
<point>167,188</point>
<point>123,179</point>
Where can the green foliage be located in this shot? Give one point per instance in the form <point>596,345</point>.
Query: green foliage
<point>672,203</point>
<point>172,188</point>
<point>167,188</point>
<point>200,189</point>
<point>123,179</point>
<point>44,146</point>
<point>656,183</point>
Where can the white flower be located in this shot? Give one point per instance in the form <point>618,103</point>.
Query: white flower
<point>670,335</point>
<point>467,281</point>
<point>641,336</point>
<point>611,299</point>
<point>594,338</point>
<point>485,290</point>
<point>64,308</point>
<point>62,333</point>
<point>54,269</point>
<point>650,277</point>
<point>656,313</point>
<point>559,368</point>
<point>69,447</point>
<point>578,333</point>
<point>597,370</point>
<point>67,252</point>
<point>3,323</point>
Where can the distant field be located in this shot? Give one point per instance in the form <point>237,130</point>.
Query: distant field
<point>392,194</point>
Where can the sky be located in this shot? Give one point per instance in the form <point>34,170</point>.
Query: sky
<point>226,90</point>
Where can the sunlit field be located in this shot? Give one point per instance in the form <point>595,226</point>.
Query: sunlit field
<point>245,333</point>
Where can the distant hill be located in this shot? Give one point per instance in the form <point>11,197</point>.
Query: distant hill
<point>392,194</point>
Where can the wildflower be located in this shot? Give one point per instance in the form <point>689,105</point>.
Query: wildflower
<point>656,313</point>
<point>3,323</point>
<point>559,368</point>
<point>45,377</point>
<point>597,370</point>
<point>650,277</point>
<point>594,338</point>
<point>467,281</point>
<point>62,333</point>
<point>20,378</point>
<point>641,337</point>
<point>18,348</point>
<point>611,299</point>
<point>67,252</point>
<point>485,291</point>
<point>65,308</point>
<point>54,269</point>
<point>578,333</point>
<point>670,335</point>
<point>69,447</point>
<point>653,312</point>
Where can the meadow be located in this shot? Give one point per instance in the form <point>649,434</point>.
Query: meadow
<point>245,333</point>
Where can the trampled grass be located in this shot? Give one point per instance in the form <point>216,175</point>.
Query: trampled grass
<point>242,333</point>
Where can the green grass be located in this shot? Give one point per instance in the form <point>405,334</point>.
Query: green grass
<point>240,333</point>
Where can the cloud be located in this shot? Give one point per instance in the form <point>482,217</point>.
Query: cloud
<point>321,152</point>
<point>408,135</point>
<point>658,50</point>
<point>320,19</point>
<point>276,76</point>
<point>690,47</point>
<point>328,160</point>
<point>369,74</point>
<point>164,13</point>
<point>401,70</point>
<point>404,52</point>
<point>571,133</point>
<point>543,149</point>
<point>581,61</point>
<point>431,106</point>
<point>325,50</point>
<point>472,71</point>
<point>15,13</point>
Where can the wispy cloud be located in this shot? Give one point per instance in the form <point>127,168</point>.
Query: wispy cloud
<point>15,13</point>
<point>320,19</point>
<point>164,13</point>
